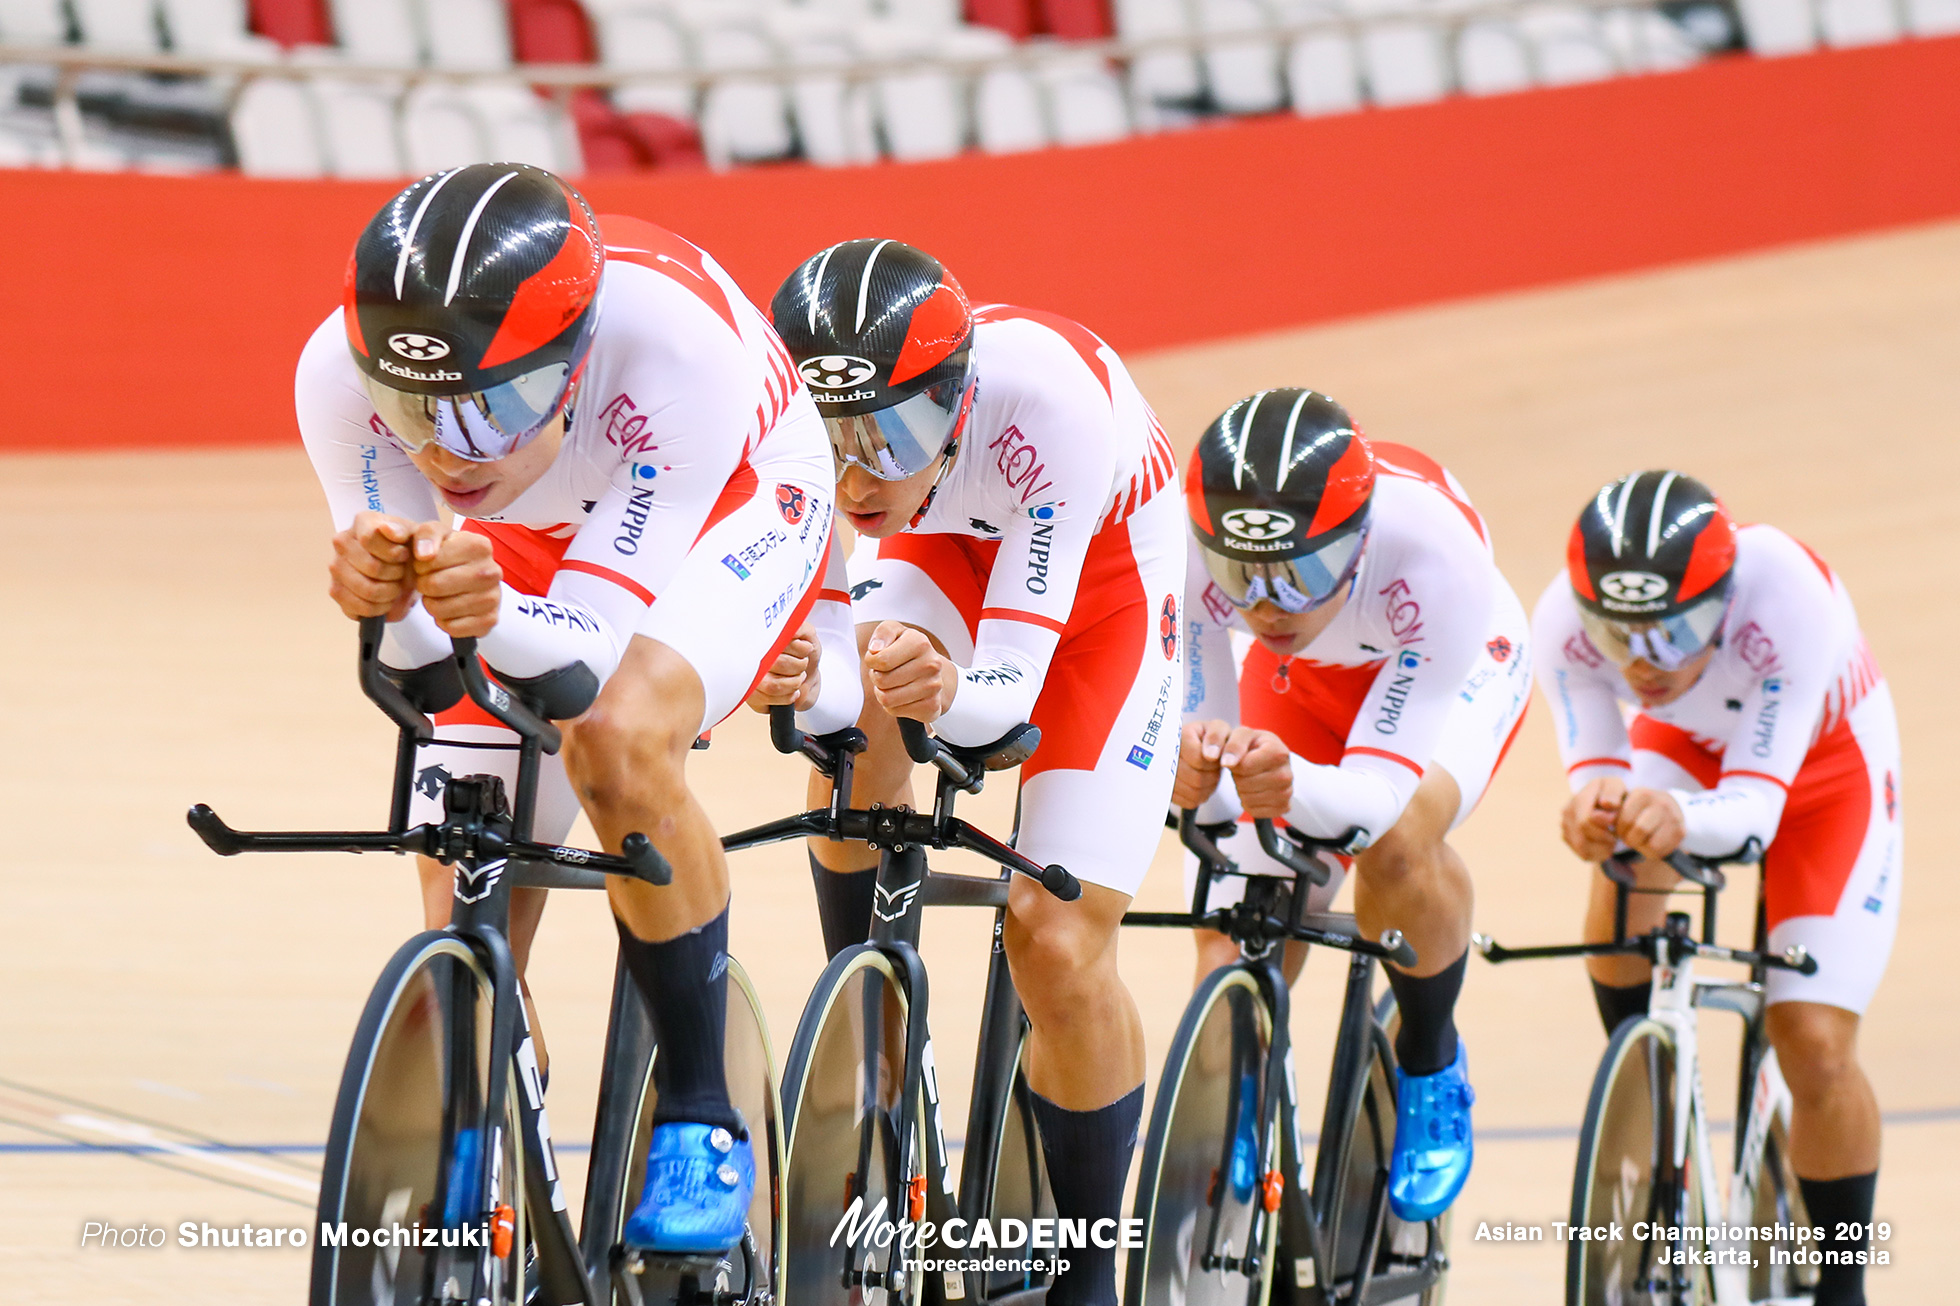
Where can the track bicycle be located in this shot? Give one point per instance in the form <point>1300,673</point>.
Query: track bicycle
<point>1644,1151</point>
<point>860,1089</point>
<point>1228,1216</point>
<point>440,1184</point>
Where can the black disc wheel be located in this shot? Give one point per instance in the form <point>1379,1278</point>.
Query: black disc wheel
<point>1626,1174</point>
<point>751,1273</point>
<point>410,1145</point>
<point>846,1175</point>
<point>1207,1239</point>
<point>1355,1205</point>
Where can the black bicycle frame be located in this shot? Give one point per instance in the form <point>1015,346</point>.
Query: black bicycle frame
<point>1271,913</point>
<point>488,841</point>
<point>905,887</point>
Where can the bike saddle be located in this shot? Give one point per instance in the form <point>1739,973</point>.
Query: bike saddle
<point>1010,750</point>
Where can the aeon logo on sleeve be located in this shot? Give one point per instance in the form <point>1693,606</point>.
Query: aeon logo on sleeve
<point>1257,524</point>
<point>836,371</point>
<point>415,345</point>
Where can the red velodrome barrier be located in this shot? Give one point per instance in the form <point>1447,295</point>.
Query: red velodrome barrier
<point>151,311</point>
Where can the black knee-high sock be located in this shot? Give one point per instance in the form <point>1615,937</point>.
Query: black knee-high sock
<point>1830,1202</point>
<point>843,904</point>
<point>685,984</point>
<point>1426,1043</point>
<point>1618,1001</point>
<point>1088,1156</point>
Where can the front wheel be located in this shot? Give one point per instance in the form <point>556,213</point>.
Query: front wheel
<point>409,1139</point>
<point>1626,1174</point>
<point>1207,1238</point>
<point>846,1173</point>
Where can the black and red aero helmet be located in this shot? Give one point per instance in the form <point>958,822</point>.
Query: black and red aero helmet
<point>470,305</point>
<point>1651,561</point>
<point>1278,491</point>
<point>883,336</point>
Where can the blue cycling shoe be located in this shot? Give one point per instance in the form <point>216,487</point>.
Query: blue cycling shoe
<point>1433,1146</point>
<point>1245,1142</point>
<point>696,1199</point>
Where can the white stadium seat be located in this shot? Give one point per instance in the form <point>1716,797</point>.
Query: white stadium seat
<point>1007,113</point>
<point>1858,22</point>
<point>1644,40</point>
<point>128,26</point>
<point>1164,84</point>
<point>522,128</point>
<point>441,129</point>
<point>932,15</point>
<point>1568,44</point>
<point>834,118</point>
<point>1933,17</point>
<point>1243,74</point>
<point>378,33</point>
<point>1086,103</point>
<point>1323,69</point>
<point>273,126</point>
<point>645,40</point>
<point>920,112</point>
<point>742,119</point>
<point>358,126</point>
<point>466,35</point>
<point>33,22</point>
<point>1778,26</point>
<point>1402,57</point>
<point>214,29</point>
<point>1492,58</point>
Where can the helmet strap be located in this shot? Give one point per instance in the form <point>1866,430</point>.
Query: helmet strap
<point>946,458</point>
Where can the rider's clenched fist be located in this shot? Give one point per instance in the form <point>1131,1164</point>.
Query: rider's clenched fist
<point>369,573</point>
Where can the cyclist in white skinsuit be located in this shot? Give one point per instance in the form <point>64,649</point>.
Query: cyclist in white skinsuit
<point>646,522</point>
<point>1389,675</point>
<point>1024,564</point>
<point>1712,689</point>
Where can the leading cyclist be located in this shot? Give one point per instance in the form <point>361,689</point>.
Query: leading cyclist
<point>1027,564</point>
<point>1712,688</point>
<point>644,505</point>
<point>1388,676</point>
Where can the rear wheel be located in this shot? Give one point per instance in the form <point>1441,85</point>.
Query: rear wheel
<point>1020,1188</point>
<point>1207,1241</point>
<point>408,1140</point>
<point>1778,1204</point>
<point>752,1272</point>
<point>845,1172</point>
<point>1626,1174</point>
<point>1406,1252</point>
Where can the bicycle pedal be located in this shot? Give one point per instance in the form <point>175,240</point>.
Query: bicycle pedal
<point>646,1278</point>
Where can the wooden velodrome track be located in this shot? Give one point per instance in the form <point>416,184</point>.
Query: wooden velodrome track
<point>167,639</point>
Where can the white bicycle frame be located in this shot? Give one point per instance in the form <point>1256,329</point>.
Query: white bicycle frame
<point>1677,995</point>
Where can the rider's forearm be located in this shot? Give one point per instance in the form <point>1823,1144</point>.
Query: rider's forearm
<point>840,691</point>
<point>1330,800</point>
<point>535,636</point>
<point>413,642</point>
<point>1723,819</point>
<point>998,691</point>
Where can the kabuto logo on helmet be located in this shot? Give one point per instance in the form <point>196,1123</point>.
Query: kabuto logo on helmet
<point>1257,524</point>
<point>837,371</point>
<point>1632,591</point>
<point>422,348</point>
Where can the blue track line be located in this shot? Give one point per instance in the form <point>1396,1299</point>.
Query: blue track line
<point>1938,1115</point>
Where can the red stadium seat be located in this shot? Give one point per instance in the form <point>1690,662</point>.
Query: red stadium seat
<point>1076,20</point>
<point>1015,17</point>
<point>293,22</point>
<point>551,31</point>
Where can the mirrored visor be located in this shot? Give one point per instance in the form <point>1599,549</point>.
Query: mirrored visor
<point>1668,643</point>
<point>1295,585</point>
<point>483,425</point>
<point>899,442</point>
